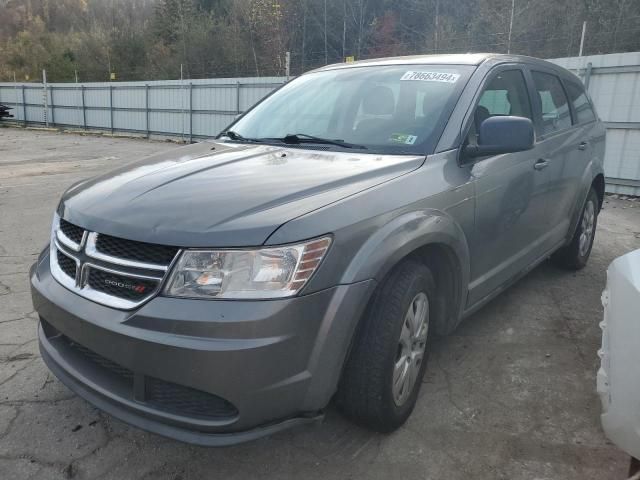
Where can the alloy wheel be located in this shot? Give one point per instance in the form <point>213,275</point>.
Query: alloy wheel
<point>411,348</point>
<point>587,228</point>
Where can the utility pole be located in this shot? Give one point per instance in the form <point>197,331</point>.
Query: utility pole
<point>584,32</point>
<point>360,27</point>
<point>45,100</point>
<point>304,32</point>
<point>437,23</point>
<point>513,9</point>
<point>326,56</point>
<point>287,65</point>
<point>344,27</point>
<point>586,74</point>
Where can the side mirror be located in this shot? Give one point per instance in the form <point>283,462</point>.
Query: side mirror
<point>503,134</point>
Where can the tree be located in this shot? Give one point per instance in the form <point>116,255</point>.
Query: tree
<point>148,39</point>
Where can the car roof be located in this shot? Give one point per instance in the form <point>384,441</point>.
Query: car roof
<point>449,59</point>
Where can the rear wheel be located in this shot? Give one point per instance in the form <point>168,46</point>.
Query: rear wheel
<point>575,255</point>
<point>382,377</point>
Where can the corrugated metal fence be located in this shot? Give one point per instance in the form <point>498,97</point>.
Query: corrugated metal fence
<point>195,109</point>
<point>613,81</point>
<point>188,109</point>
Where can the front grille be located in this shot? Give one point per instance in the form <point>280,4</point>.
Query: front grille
<point>120,286</point>
<point>67,264</point>
<point>159,394</point>
<point>135,251</point>
<point>187,401</point>
<point>71,231</point>
<point>112,271</point>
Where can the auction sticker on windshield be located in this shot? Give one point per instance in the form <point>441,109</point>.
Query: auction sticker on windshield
<point>403,138</point>
<point>431,76</point>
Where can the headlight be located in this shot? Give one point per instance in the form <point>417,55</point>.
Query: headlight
<point>260,273</point>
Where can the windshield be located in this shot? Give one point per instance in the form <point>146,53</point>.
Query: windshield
<point>379,109</point>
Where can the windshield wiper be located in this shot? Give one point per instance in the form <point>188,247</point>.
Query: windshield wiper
<point>236,137</point>
<point>290,138</point>
<point>304,138</point>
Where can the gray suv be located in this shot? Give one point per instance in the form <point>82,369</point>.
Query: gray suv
<point>229,289</point>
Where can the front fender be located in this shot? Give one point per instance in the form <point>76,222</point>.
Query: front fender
<point>387,246</point>
<point>406,234</point>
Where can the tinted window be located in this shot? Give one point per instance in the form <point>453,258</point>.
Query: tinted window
<point>580,102</point>
<point>553,102</point>
<point>387,109</point>
<point>506,94</point>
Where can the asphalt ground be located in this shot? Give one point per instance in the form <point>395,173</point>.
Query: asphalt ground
<point>510,395</point>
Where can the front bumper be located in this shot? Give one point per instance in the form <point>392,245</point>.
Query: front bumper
<point>271,364</point>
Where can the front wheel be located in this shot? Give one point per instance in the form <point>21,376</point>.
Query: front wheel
<point>380,383</point>
<point>575,255</point>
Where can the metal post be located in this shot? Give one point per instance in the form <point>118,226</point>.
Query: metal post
<point>24,107</point>
<point>238,98</point>
<point>584,32</point>
<point>53,106</point>
<point>587,76</point>
<point>146,108</point>
<point>45,100</point>
<point>77,92</point>
<point>111,107</point>
<point>15,90</point>
<point>182,102</point>
<point>84,109</point>
<point>190,112</point>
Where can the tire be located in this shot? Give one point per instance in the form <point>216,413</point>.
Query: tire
<point>575,255</point>
<point>366,393</point>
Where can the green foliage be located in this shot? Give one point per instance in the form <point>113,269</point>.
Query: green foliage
<point>151,39</point>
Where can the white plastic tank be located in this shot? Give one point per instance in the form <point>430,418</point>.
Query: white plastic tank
<point>619,373</point>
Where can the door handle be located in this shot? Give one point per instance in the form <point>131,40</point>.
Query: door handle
<point>583,145</point>
<point>541,164</point>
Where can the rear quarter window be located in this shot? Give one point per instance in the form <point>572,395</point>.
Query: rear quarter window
<point>581,105</point>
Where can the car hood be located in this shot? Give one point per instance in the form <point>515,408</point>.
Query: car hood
<point>222,194</point>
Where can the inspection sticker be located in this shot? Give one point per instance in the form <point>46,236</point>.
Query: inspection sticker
<point>403,138</point>
<point>431,77</point>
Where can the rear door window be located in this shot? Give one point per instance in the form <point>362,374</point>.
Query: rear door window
<point>553,102</point>
<point>581,105</point>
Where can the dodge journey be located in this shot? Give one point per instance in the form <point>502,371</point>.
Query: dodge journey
<point>312,252</point>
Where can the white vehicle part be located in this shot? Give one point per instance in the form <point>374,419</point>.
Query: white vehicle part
<point>619,373</point>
